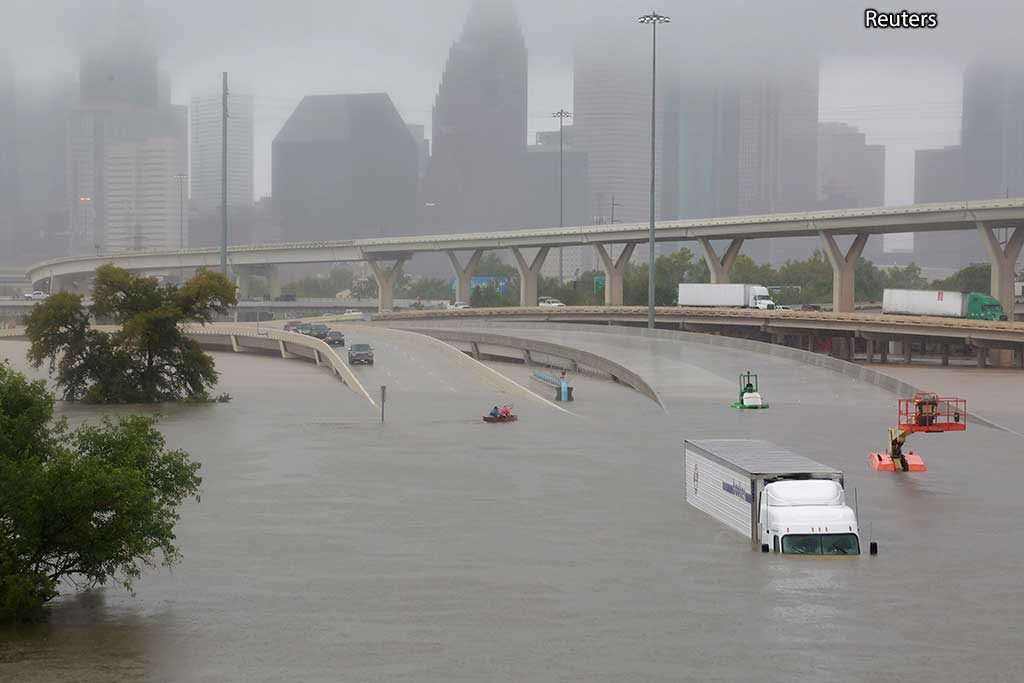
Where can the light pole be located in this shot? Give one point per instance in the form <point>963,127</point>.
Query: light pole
<point>561,115</point>
<point>181,178</point>
<point>653,19</point>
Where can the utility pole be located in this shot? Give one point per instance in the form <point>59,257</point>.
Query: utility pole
<point>181,178</point>
<point>224,179</point>
<point>561,115</point>
<point>653,19</point>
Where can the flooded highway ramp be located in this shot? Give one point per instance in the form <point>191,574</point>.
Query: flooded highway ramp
<point>328,546</point>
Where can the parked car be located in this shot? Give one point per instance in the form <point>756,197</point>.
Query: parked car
<point>335,338</point>
<point>458,305</point>
<point>318,330</point>
<point>360,353</point>
<point>810,307</point>
<point>779,307</point>
<point>36,296</point>
<point>291,325</point>
<point>550,303</point>
<point>352,311</point>
<point>302,328</point>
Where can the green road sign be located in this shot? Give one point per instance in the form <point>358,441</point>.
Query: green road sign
<point>598,283</point>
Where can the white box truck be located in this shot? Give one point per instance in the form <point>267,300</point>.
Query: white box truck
<point>783,501</point>
<point>971,305</point>
<point>738,296</point>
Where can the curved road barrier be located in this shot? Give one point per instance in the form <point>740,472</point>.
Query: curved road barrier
<point>489,374</point>
<point>605,366</point>
<point>858,372</point>
<point>287,344</point>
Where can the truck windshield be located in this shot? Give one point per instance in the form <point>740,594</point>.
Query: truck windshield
<point>821,544</point>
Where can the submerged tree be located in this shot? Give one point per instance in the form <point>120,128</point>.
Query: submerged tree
<point>148,359</point>
<point>84,507</point>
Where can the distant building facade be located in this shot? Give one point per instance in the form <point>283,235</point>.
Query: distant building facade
<point>611,125</point>
<point>542,188</point>
<point>125,145</point>
<point>477,172</point>
<point>939,178</point>
<point>206,154</point>
<point>344,167</point>
<point>851,173</point>
<point>422,147</point>
<point>992,137</point>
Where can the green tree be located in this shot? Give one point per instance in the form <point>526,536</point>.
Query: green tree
<point>974,278</point>
<point>88,506</point>
<point>322,286</point>
<point>907,277</point>
<point>148,359</point>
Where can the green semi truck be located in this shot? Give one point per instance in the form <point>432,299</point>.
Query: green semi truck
<point>970,305</point>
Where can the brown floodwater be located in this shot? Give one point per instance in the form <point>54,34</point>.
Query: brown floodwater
<point>328,546</point>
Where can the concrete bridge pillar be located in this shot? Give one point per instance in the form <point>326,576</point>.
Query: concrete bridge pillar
<point>464,274</point>
<point>843,268</point>
<point>720,268</point>
<point>386,281</point>
<point>1004,262</point>
<point>528,275</point>
<point>614,272</point>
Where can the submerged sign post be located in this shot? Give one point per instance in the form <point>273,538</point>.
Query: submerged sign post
<point>383,393</point>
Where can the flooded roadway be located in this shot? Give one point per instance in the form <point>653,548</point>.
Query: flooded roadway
<point>329,547</point>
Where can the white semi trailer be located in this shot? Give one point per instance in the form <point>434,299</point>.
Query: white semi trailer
<point>783,501</point>
<point>725,295</point>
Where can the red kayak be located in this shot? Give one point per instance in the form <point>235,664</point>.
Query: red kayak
<point>510,418</point>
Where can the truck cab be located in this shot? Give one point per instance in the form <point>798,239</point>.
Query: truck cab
<point>760,298</point>
<point>807,517</point>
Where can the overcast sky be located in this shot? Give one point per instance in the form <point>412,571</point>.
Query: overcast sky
<point>901,87</point>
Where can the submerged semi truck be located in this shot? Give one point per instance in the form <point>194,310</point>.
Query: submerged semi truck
<point>970,305</point>
<point>725,295</point>
<point>783,501</point>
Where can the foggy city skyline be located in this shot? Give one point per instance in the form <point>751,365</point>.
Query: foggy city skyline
<point>358,48</point>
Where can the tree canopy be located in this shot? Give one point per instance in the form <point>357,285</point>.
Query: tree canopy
<point>86,506</point>
<point>148,359</point>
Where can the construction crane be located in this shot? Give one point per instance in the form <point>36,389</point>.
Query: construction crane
<point>926,412</point>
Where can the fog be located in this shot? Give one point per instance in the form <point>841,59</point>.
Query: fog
<point>901,87</point>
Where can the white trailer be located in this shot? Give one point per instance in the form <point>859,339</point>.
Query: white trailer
<point>725,295</point>
<point>924,302</point>
<point>781,500</point>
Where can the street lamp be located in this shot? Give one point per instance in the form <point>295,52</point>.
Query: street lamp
<point>653,19</point>
<point>561,115</point>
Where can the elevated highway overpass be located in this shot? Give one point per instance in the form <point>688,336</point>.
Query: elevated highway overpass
<point>386,256</point>
<point>805,329</point>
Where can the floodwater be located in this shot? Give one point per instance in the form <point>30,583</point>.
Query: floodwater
<point>329,547</point>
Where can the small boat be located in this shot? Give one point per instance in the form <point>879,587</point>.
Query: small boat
<point>510,418</point>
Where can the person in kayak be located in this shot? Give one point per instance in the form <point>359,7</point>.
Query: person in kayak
<point>505,412</point>
<point>495,412</point>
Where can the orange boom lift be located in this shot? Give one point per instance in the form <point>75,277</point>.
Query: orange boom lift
<point>926,412</point>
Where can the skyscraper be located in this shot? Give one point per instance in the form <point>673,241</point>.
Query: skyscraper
<point>851,173</point>
<point>344,167</point>
<point>992,135</point>
<point>939,178</point>
<point>141,197</point>
<point>123,112</point>
<point>476,176</point>
<point>611,124</point>
<point>205,179</point>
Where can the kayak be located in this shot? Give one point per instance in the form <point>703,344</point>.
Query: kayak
<point>510,418</point>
